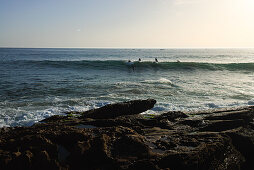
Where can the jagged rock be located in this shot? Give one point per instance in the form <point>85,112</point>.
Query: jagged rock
<point>243,141</point>
<point>116,137</point>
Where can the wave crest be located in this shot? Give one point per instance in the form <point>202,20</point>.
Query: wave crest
<point>120,65</point>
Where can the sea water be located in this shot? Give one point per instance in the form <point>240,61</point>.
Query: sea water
<point>38,83</point>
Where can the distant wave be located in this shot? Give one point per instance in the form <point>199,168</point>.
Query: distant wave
<point>121,65</point>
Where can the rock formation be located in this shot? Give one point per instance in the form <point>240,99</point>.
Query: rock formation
<point>118,137</point>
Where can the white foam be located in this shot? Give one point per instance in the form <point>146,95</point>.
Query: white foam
<point>28,115</point>
<point>160,80</point>
<point>164,80</point>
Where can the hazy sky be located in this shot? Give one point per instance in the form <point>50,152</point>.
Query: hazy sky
<point>127,23</point>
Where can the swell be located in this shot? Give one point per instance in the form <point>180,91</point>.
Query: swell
<point>122,65</point>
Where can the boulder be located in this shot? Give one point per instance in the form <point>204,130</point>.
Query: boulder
<point>120,109</point>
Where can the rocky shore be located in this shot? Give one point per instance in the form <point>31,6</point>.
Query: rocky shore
<point>116,136</point>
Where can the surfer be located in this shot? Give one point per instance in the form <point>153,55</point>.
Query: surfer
<point>131,64</point>
<point>139,60</point>
<point>156,60</point>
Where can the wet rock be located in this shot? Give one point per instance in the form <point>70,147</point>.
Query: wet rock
<point>172,115</point>
<point>243,141</point>
<point>120,109</point>
<point>222,125</point>
<point>117,137</point>
<point>232,115</point>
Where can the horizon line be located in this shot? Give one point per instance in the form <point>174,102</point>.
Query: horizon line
<point>138,47</point>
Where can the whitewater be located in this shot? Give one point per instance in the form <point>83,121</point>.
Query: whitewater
<point>38,83</point>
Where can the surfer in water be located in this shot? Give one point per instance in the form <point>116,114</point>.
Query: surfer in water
<point>131,64</point>
<point>139,60</point>
<point>156,60</point>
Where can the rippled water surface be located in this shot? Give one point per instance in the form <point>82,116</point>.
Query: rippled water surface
<point>38,83</point>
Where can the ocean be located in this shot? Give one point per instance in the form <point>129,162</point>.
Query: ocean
<point>36,83</point>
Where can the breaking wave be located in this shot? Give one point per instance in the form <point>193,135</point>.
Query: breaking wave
<point>123,65</point>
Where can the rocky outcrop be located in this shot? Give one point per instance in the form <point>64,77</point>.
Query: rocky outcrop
<point>117,137</point>
<point>119,109</point>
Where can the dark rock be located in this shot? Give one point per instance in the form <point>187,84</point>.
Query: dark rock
<point>222,125</point>
<point>243,140</point>
<point>116,137</point>
<point>172,115</point>
<point>193,123</point>
<point>144,164</point>
<point>232,115</point>
<point>120,109</point>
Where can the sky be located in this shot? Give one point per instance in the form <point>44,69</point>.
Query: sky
<point>127,23</point>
